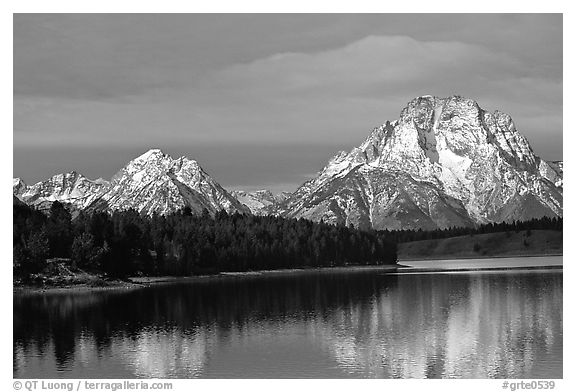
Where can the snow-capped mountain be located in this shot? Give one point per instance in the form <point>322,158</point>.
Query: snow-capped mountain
<point>71,188</point>
<point>444,162</point>
<point>156,183</point>
<point>260,202</point>
<point>151,183</point>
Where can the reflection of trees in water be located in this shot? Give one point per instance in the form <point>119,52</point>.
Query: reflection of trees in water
<point>171,318</point>
<point>461,326</point>
<point>375,326</point>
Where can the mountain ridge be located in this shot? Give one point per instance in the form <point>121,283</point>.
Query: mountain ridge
<point>444,162</point>
<point>260,202</point>
<point>71,188</point>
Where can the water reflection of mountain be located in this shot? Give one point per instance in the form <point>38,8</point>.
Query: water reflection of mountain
<point>372,325</point>
<point>451,326</point>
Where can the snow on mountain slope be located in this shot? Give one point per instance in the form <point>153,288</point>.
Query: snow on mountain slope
<point>553,170</point>
<point>151,183</point>
<point>259,202</point>
<point>156,183</point>
<point>71,188</point>
<point>18,187</point>
<point>444,162</point>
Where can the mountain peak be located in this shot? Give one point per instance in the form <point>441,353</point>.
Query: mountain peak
<point>436,100</point>
<point>153,153</point>
<point>17,181</point>
<point>18,186</point>
<point>260,202</point>
<point>444,162</point>
<point>155,182</point>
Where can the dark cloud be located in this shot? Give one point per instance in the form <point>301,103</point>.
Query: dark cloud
<point>77,55</point>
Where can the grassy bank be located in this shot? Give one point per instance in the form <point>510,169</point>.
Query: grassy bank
<point>58,278</point>
<point>506,244</point>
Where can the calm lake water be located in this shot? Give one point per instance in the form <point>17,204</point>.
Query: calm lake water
<point>361,324</point>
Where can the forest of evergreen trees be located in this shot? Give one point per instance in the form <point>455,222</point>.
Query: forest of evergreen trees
<point>127,243</point>
<point>544,223</point>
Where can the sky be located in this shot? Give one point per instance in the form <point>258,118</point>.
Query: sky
<point>264,100</point>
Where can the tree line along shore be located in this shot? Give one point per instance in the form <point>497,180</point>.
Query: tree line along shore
<point>97,246</point>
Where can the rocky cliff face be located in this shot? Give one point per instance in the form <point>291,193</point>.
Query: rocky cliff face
<point>18,187</point>
<point>554,170</point>
<point>260,202</point>
<point>444,162</point>
<point>156,183</point>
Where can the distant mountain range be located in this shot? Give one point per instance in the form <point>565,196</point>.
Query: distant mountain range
<point>151,183</point>
<point>445,162</point>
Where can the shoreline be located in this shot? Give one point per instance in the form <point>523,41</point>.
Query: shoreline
<point>404,270</point>
<point>135,283</point>
<point>479,257</point>
<point>76,288</point>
